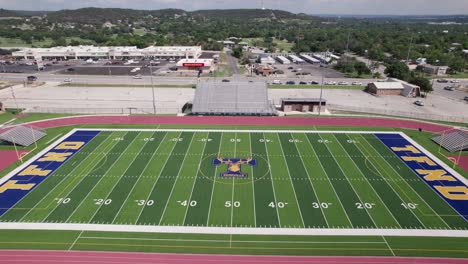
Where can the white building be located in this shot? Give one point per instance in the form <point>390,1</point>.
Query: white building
<point>121,52</point>
<point>283,60</point>
<point>309,59</point>
<point>296,59</point>
<point>195,64</point>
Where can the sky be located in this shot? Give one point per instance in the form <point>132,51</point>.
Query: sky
<point>353,7</point>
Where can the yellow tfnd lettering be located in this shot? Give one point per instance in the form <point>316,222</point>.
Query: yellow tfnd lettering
<point>55,156</point>
<point>435,175</point>
<point>33,170</point>
<point>70,145</point>
<point>409,148</point>
<point>13,185</point>
<point>453,192</point>
<point>422,159</point>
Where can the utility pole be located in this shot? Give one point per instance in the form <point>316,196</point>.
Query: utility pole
<point>409,49</point>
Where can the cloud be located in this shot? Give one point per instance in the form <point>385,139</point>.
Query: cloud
<point>395,7</point>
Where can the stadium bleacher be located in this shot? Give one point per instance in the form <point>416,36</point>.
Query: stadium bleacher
<point>453,141</point>
<point>21,135</point>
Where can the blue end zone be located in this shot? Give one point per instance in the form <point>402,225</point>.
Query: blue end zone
<point>460,204</point>
<point>11,196</point>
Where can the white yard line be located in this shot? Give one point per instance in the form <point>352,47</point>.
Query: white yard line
<point>271,180</point>
<point>349,182</point>
<point>156,180</point>
<point>290,180</point>
<point>308,176</point>
<point>214,184</point>
<point>391,250</point>
<point>178,174</point>
<point>411,187</point>
<point>139,177</point>
<point>57,185</point>
<point>329,181</point>
<point>232,196</point>
<point>368,182</point>
<point>253,185</point>
<point>103,176</point>
<point>74,242</point>
<point>238,230</point>
<point>142,173</point>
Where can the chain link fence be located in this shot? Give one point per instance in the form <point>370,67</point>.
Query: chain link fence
<point>408,114</point>
<point>97,111</point>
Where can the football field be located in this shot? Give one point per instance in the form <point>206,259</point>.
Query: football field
<point>236,179</point>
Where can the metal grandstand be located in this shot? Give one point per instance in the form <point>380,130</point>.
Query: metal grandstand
<point>456,140</point>
<point>238,98</point>
<point>21,135</point>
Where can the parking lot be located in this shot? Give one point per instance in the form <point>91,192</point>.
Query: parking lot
<point>309,70</point>
<point>81,67</point>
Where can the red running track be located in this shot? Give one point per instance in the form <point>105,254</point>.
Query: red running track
<point>34,257</point>
<point>7,157</point>
<point>251,121</point>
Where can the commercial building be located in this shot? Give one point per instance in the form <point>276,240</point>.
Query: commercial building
<point>393,86</point>
<point>195,64</point>
<point>309,59</point>
<point>118,52</point>
<point>435,70</point>
<point>296,59</point>
<point>282,60</point>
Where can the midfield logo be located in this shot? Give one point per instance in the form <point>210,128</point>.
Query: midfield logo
<point>234,169</point>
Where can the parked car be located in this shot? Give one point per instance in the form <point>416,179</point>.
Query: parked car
<point>67,80</point>
<point>32,78</point>
<point>294,71</point>
<point>442,81</point>
<point>291,82</point>
<point>302,82</point>
<point>290,68</point>
<point>466,98</point>
<point>330,83</point>
<point>277,82</point>
<point>419,103</point>
<point>343,83</point>
<point>449,88</point>
<point>455,81</point>
<point>356,83</point>
<point>314,82</point>
<point>70,69</point>
<point>226,80</point>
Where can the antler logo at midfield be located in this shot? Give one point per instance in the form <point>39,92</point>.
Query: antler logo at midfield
<point>234,166</point>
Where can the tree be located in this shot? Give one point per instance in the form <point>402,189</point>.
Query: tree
<point>423,83</point>
<point>361,68</point>
<point>397,70</point>
<point>237,52</point>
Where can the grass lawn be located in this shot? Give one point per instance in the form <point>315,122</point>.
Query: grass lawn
<point>460,75</point>
<point>127,85</point>
<point>315,86</point>
<point>5,117</point>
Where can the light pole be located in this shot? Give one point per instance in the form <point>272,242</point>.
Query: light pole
<point>152,88</point>
<point>321,94</point>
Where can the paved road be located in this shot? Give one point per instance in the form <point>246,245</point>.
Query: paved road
<point>232,63</point>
